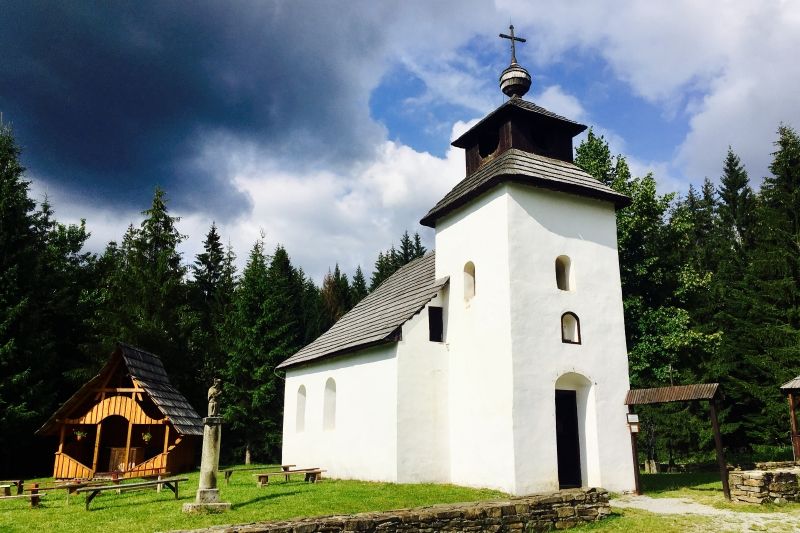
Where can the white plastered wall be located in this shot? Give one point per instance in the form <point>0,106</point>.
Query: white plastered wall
<point>543,225</point>
<point>363,444</point>
<point>479,342</point>
<point>423,445</point>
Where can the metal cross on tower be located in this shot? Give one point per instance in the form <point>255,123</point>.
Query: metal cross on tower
<point>514,41</point>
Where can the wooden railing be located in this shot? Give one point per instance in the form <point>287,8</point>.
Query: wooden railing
<point>68,468</point>
<point>151,467</point>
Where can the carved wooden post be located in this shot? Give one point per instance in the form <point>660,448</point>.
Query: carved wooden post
<point>96,447</point>
<point>126,466</point>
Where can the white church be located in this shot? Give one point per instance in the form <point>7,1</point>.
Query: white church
<point>498,360</point>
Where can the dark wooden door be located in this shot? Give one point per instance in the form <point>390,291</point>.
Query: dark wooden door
<point>568,440</point>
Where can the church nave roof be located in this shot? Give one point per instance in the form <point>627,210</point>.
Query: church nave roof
<point>377,318</point>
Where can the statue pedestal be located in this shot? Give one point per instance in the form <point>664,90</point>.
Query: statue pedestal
<point>207,497</point>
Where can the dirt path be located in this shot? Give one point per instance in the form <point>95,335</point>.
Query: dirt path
<point>724,519</point>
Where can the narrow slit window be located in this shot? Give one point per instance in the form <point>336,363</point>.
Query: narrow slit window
<point>469,281</point>
<point>570,328</point>
<point>435,324</point>
<point>329,413</point>
<point>300,420</point>
<point>563,272</point>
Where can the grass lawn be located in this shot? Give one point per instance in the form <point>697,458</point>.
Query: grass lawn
<point>702,487</point>
<point>148,511</point>
<point>151,511</point>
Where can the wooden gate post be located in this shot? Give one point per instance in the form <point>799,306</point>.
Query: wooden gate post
<point>723,468</point>
<point>635,453</point>
<point>793,421</point>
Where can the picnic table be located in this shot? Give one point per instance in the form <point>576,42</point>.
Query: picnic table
<point>170,482</point>
<point>229,471</point>
<point>311,475</point>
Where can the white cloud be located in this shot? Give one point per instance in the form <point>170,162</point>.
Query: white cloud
<point>726,68</point>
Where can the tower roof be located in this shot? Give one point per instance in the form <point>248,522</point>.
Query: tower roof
<point>524,143</point>
<point>525,168</point>
<point>525,110</point>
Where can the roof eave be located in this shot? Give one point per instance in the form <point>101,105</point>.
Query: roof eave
<point>620,201</point>
<point>389,339</point>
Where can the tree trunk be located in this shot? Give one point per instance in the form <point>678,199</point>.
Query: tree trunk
<point>247,453</point>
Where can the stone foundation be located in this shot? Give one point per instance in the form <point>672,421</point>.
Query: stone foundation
<point>541,512</point>
<point>765,486</point>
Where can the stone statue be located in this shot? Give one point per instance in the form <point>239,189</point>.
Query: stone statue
<point>207,492</point>
<point>213,394</point>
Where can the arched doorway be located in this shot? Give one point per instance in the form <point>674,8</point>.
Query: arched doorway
<point>576,432</point>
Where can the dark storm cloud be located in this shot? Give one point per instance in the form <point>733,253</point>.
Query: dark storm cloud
<point>110,99</point>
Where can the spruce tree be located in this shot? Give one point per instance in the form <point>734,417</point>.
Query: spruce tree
<point>774,292</point>
<point>335,296</point>
<point>147,302</point>
<point>211,294</point>
<point>45,295</point>
<point>358,289</point>
<point>21,403</point>
<point>263,329</point>
<point>247,387</point>
<point>737,202</point>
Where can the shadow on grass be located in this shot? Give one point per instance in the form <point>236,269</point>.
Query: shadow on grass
<point>263,498</point>
<point>701,481</point>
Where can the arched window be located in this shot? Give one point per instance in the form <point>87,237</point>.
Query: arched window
<point>300,416</point>
<point>469,281</point>
<point>562,272</point>
<point>329,413</point>
<point>570,328</point>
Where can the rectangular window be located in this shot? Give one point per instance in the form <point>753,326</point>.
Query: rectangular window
<point>435,324</point>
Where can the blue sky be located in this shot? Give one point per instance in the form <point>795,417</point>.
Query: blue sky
<point>325,125</point>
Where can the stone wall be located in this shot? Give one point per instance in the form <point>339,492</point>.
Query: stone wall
<point>765,486</point>
<point>542,512</point>
<point>777,465</point>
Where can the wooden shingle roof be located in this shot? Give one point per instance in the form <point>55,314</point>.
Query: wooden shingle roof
<point>148,370</point>
<point>676,393</point>
<point>516,105</point>
<point>526,168</point>
<point>377,318</point>
<point>793,384</point>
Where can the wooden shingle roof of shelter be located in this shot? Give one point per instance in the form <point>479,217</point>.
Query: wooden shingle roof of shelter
<point>793,384</point>
<point>148,370</point>
<point>676,393</point>
<point>377,318</point>
<point>518,166</point>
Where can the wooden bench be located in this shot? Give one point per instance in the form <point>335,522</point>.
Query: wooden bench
<point>35,498</point>
<point>19,483</point>
<point>229,471</point>
<point>170,482</point>
<point>311,474</point>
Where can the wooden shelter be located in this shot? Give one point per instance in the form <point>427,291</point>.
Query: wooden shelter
<point>792,390</point>
<point>128,420</point>
<point>681,393</point>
